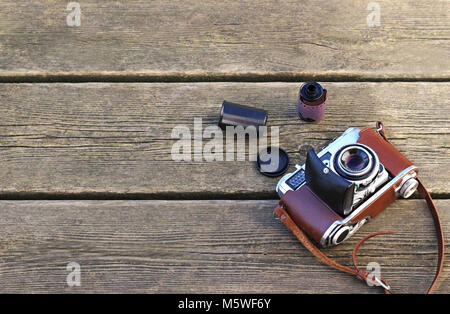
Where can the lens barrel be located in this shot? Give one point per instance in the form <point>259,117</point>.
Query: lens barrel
<point>356,162</point>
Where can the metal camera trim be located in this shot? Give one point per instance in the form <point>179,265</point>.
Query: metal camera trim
<point>397,182</point>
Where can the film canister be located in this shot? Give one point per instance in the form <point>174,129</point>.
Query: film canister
<point>233,114</point>
<point>312,102</point>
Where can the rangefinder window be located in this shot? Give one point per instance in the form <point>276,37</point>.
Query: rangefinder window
<point>296,180</point>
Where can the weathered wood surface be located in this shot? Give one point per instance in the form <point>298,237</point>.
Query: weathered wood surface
<point>210,39</point>
<point>115,139</point>
<point>102,140</point>
<point>202,246</point>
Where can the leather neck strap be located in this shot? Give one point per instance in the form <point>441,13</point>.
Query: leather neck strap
<point>361,274</point>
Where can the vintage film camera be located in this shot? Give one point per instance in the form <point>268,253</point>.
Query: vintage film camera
<point>345,185</point>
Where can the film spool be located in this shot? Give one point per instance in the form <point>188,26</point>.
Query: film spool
<point>312,102</point>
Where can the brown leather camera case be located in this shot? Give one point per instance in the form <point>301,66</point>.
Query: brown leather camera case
<point>309,212</point>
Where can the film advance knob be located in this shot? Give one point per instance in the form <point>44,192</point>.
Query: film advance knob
<point>409,187</point>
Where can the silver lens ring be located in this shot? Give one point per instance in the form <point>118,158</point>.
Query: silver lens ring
<point>349,153</point>
<point>356,162</point>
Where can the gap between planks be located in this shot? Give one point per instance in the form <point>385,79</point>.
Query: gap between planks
<point>121,77</point>
<point>183,196</point>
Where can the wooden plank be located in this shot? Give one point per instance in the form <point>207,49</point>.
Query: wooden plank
<point>202,247</point>
<point>210,39</point>
<point>115,139</point>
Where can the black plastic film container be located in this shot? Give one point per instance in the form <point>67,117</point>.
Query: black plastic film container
<point>234,114</point>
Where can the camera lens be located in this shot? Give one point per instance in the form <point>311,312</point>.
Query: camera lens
<point>355,160</point>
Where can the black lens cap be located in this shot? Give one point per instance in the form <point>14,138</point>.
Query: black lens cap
<point>268,163</point>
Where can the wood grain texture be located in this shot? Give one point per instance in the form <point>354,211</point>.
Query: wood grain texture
<point>188,37</point>
<point>202,247</point>
<point>70,139</point>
